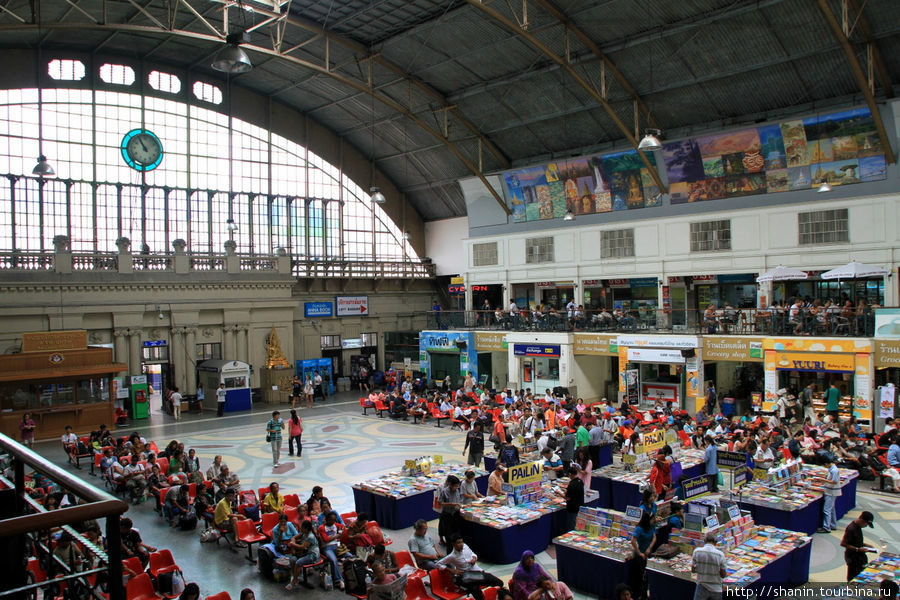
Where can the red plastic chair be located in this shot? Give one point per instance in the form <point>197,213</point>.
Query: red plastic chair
<point>293,515</point>
<point>404,558</point>
<point>442,585</point>
<point>269,521</point>
<point>291,500</point>
<point>438,416</point>
<point>490,593</point>
<point>261,493</point>
<point>246,532</point>
<point>415,589</point>
<point>162,562</point>
<point>219,596</point>
<point>380,407</point>
<point>141,588</point>
<point>348,516</point>
<point>163,463</point>
<point>132,567</point>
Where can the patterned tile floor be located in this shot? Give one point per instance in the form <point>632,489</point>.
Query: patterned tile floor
<point>342,447</point>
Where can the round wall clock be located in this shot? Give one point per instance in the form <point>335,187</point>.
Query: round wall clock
<point>142,150</point>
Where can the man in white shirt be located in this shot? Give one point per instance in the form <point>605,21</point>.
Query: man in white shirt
<point>764,457</point>
<point>176,403</point>
<point>831,490</point>
<point>708,562</point>
<point>528,422</point>
<point>513,309</point>
<point>135,482</point>
<point>463,564</point>
<point>220,400</point>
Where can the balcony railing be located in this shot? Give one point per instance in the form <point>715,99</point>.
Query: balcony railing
<point>27,526</point>
<point>738,321</point>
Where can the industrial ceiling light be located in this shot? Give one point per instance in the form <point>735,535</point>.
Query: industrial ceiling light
<point>43,168</point>
<point>232,59</point>
<point>570,216</point>
<point>376,196</point>
<point>650,142</point>
<point>824,187</point>
<point>406,235</point>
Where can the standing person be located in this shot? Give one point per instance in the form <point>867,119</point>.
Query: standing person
<point>449,499</point>
<point>833,402</point>
<point>273,435</point>
<point>712,469</point>
<point>201,396</point>
<point>176,398</point>
<point>574,497</point>
<point>854,544</point>
<point>708,562</point>
<point>317,385</point>
<point>220,400</point>
<point>26,428</point>
<point>436,313</point>
<point>567,448</point>
<point>831,489</point>
<point>309,391</point>
<point>469,488</point>
<point>641,541</point>
<point>806,397</point>
<point>495,480</point>
<point>296,390</point>
<point>295,433</point>
<point>475,445</point>
<point>711,398</point>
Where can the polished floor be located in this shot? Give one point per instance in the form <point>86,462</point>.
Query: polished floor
<point>342,447</point>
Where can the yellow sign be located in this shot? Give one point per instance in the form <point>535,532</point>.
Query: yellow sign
<point>487,341</point>
<point>54,341</point>
<point>887,353</point>
<point>437,459</point>
<point>595,344</point>
<point>654,440</point>
<point>628,459</point>
<point>811,344</point>
<point>815,361</point>
<point>409,465</point>
<point>457,280</point>
<point>732,348</point>
<point>526,473</point>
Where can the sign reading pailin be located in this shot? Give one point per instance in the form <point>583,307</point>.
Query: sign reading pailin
<point>526,473</point>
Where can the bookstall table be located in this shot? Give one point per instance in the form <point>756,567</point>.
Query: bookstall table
<point>397,501</point>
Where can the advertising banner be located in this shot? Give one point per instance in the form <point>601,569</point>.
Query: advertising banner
<point>318,309</point>
<point>526,473</point>
<point>352,306</point>
<point>696,487</point>
<point>544,350</point>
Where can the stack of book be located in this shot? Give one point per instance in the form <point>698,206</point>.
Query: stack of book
<point>884,566</point>
<point>396,484</point>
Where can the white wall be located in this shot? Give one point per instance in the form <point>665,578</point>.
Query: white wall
<point>442,244</point>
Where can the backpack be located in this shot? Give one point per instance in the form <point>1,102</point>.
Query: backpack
<point>171,584</point>
<point>354,572</point>
<point>552,442</point>
<point>265,562</point>
<point>187,522</point>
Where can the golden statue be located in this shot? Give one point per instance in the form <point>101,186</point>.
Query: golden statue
<point>274,356</point>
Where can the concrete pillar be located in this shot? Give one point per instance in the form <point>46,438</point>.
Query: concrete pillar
<point>120,347</point>
<point>190,360</point>
<point>243,352</point>
<point>177,358</point>
<point>134,351</point>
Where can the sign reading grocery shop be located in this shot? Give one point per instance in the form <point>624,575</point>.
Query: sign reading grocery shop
<point>545,350</point>
<point>318,309</point>
<point>54,341</point>
<point>732,348</point>
<point>352,306</point>
<point>490,341</point>
<point>887,353</point>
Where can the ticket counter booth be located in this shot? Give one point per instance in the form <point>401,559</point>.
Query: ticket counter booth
<point>236,377</point>
<point>60,381</point>
<point>660,368</point>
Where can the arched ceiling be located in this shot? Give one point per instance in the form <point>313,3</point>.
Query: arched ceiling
<point>456,88</point>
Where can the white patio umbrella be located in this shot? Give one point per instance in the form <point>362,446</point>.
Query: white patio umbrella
<point>782,273</point>
<point>854,270</point>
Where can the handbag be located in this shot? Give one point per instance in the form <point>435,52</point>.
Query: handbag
<point>268,437</point>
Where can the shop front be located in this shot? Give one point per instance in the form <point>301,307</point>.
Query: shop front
<point>660,369</point>
<point>60,381</point>
<point>540,362</point>
<point>641,294</point>
<point>445,354</point>
<point>485,298</point>
<point>492,360</point>
<point>556,293</point>
<point>887,375</point>
<point>737,290</point>
<point>735,365</point>
<point>595,365</point>
<point>793,364</point>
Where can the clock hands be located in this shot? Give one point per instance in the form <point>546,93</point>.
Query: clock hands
<point>140,140</point>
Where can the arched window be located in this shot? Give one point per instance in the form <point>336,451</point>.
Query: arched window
<point>214,167</point>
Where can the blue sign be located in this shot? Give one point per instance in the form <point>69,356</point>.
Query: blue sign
<point>642,282</point>
<point>536,350</point>
<point>318,309</point>
<point>155,343</point>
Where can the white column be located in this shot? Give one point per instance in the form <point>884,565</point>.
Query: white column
<point>134,351</point>
<point>189,359</point>
<point>177,358</point>
<point>120,349</point>
<point>242,349</point>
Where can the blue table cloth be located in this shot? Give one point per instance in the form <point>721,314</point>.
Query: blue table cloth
<point>505,546</point>
<point>400,513</point>
<point>847,500</point>
<point>590,573</point>
<point>603,486</point>
<point>805,520</point>
<point>624,494</point>
<point>605,456</point>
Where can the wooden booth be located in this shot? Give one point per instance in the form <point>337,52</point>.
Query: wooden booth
<point>60,381</point>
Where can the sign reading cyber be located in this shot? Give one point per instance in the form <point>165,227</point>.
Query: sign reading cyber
<point>318,309</point>
<point>551,351</point>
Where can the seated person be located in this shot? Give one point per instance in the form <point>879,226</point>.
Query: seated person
<point>204,504</point>
<point>462,563</point>
<point>156,482</point>
<point>525,577</point>
<point>224,517</point>
<point>547,589</point>
<point>357,536</point>
<point>178,502</point>
<point>384,557</point>
<point>132,544</point>
<point>422,547</point>
<point>303,550</point>
<point>273,501</point>
<point>398,408</point>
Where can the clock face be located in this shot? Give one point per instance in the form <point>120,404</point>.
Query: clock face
<point>142,150</point>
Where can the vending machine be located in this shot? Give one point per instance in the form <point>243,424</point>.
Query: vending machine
<point>138,397</point>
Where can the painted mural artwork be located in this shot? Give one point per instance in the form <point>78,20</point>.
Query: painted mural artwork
<point>583,186</point>
<point>842,148</point>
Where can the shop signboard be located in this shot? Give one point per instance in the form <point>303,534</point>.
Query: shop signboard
<point>490,341</point>
<point>732,348</point>
<point>887,354</point>
<point>54,341</point>
<point>618,284</point>
<point>352,306</point>
<point>696,487</point>
<point>731,459</point>
<point>318,309</point>
<point>456,289</point>
<point>526,473</point>
<point>541,350</point>
<point>350,343</point>
<point>479,288</point>
<point>654,440</point>
<point>655,355</point>
<point>594,344</point>
<point>457,280</point>
<point>887,396</point>
<point>441,341</point>
<point>634,512</point>
<point>704,278</point>
<point>643,282</point>
<point>667,299</point>
<point>815,361</point>
<point>658,341</point>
